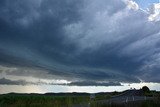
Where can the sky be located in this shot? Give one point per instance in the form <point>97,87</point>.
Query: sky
<point>61,45</point>
<point>146,3</point>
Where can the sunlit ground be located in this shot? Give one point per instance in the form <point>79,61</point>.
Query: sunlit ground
<point>62,88</point>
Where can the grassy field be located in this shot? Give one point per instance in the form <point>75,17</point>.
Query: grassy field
<point>41,100</point>
<point>68,100</point>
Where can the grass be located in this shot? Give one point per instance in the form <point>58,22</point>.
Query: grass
<point>102,97</point>
<point>41,100</point>
<point>16,100</point>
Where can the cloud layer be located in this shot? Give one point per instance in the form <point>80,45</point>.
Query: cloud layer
<point>4,81</point>
<point>98,40</point>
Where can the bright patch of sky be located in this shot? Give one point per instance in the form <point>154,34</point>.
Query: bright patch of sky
<point>146,3</point>
<point>64,88</point>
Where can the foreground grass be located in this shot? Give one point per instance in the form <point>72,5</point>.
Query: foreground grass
<point>27,100</point>
<point>16,100</point>
<point>41,100</point>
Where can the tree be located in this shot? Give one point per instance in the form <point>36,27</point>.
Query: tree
<point>145,89</point>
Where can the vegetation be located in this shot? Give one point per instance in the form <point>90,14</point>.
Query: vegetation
<point>145,89</point>
<point>73,100</point>
<point>40,100</point>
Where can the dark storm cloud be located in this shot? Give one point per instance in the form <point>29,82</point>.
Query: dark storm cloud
<point>4,81</point>
<point>79,40</point>
<point>91,83</point>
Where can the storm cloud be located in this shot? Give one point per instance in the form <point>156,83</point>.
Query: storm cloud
<point>4,81</point>
<point>113,41</point>
<point>91,83</point>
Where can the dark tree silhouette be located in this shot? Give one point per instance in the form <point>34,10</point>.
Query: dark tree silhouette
<point>145,89</point>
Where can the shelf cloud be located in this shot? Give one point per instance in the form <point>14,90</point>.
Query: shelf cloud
<point>101,40</point>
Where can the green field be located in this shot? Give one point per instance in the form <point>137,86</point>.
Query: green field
<point>41,100</point>
<point>68,100</point>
